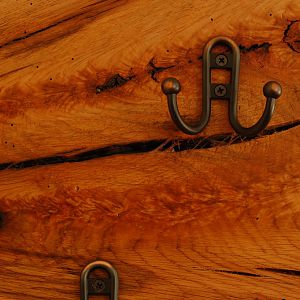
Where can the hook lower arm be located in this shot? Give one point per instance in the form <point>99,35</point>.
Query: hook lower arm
<point>272,91</point>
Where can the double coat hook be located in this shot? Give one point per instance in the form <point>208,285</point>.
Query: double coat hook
<point>171,87</point>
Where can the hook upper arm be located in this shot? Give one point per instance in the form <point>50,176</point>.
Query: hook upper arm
<point>171,87</point>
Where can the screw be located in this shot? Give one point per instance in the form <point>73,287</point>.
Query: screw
<point>220,90</point>
<point>98,285</point>
<point>221,60</point>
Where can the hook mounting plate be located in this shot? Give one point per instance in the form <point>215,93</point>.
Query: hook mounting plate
<point>99,286</point>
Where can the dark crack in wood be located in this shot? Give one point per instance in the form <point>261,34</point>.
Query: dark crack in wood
<point>239,273</point>
<point>115,81</point>
<point>265,46</point>
<point>177,145</point>
<point>153,69</point>
<point>282,271</point>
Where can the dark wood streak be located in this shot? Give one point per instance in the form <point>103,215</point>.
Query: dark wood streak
<point>265,46</point>
<point>24,295</point>
<point>282,271</point>
<point>153,69</point>
<point>14,71</point>
<point>73,24</point>
<point>39,255</point>
<point>113,82</point>
<point>239,273</point>
<point>1,219</point>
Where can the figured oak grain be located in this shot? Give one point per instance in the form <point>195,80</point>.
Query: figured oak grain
<point>50,75</point>
<point>92,167</point>
<point>214,223</point>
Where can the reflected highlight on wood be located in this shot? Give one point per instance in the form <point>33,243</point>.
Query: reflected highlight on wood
<point>92,167</point>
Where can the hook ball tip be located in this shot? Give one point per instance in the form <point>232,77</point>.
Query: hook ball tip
<point>272,89</point>
<point>170,86</point>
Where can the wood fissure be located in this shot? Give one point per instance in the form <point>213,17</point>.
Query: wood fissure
<point>265,46</point>
<point>115,81</point>
<point>153,69</point>
<point>178,145</point>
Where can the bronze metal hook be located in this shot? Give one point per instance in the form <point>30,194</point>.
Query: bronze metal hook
<point>171,87</point>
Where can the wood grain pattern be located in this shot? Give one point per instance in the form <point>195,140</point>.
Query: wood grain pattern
<point>175,225</point>
<point>91,166</point>
<point>54,68</point>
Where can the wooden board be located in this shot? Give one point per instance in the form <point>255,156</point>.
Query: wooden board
<point>49,75</point>
<point>92,167</point>
<point>210,223</point>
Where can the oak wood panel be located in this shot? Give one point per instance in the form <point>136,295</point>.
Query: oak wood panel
<point>200,224</point>
<point>80,81</point>
<point>49,74</point>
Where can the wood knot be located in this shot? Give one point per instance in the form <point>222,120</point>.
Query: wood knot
<point>292,35</point>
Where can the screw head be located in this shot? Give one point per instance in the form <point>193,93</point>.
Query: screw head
<point>272,89</point>
<point>221,60</point>
<point>98,285</point>
<point>170,86</point>
<point>220,90</point>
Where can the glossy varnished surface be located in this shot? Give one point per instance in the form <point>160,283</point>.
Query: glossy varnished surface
<point>50,74</point>
<point>210,223</point>
<point>92,167</point>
